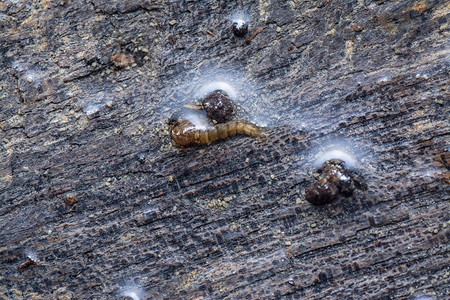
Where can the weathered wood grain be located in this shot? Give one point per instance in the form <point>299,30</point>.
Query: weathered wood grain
<point>90,183</point>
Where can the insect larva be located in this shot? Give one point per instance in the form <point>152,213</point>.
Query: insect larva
<point>254,33</point>
<point>184,133</point>
<point>28,263</point>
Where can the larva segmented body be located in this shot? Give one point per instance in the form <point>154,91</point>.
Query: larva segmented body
<point>184,133</point>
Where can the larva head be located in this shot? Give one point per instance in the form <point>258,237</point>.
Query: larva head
<point>183,133</point>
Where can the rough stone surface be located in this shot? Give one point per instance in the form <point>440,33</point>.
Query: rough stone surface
<point>90,184</point>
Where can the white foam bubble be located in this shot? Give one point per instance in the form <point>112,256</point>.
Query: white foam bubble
<point>32,255</point>
<point>194,87</point>
<point>91,107</point>
<point>132,295</point>
<point>348,158</point>
<point>18,66</point>
<point>133,291</point>
<point>240,16</point>
<point>341,149</point>
<point>422,297</point>
<point>199,119</point>
<point>426,175</point>
<point>217,85</point>
<point>384,79</point>
<point>29,74</point>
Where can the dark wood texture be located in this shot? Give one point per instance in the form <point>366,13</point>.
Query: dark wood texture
<point>90,183</point>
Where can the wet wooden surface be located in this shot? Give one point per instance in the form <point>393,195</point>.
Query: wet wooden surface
<point>90,184</point>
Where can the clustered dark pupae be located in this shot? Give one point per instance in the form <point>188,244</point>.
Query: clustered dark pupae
<point>332,179</point>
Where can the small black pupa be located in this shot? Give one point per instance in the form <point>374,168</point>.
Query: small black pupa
<point>240,28</point>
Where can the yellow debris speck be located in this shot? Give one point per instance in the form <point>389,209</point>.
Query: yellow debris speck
<point>331,32</point>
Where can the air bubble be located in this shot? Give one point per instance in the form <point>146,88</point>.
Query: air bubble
<point>132,291</point>
<point>349,158</point>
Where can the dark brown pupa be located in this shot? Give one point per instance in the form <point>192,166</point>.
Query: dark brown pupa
<point>218,106</point>
<point>334,179</point>
<point>239,28</point>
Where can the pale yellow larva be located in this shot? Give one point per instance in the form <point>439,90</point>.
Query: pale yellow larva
<point>184,133</point>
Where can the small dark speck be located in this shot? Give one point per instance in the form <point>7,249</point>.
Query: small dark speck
<point>322,277</point>
<point>142,157</point>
